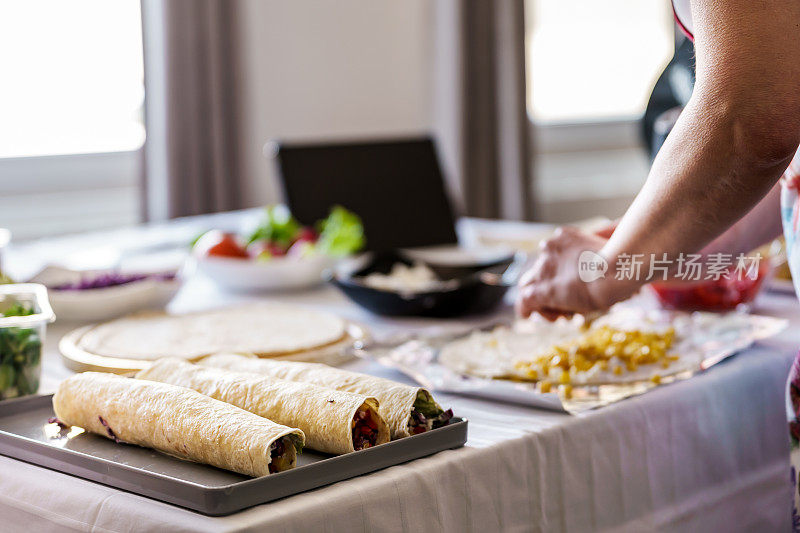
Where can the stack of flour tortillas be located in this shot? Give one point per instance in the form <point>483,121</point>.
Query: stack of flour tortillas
<point>264,329</point>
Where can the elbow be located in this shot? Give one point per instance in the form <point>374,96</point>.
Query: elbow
<point>765,142</point>
<point>764,131</point>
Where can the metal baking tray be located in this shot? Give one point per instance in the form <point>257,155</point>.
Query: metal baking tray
<point>25,434</point>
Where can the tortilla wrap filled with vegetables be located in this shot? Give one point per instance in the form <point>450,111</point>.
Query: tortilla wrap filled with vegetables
<point>333,421</point>
<point>177,421</point>
<point>407,409</point>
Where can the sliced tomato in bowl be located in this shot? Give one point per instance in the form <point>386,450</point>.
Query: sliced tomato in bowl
<point>216,243</point>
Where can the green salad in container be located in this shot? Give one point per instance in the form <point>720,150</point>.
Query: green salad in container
<point>20,355</point>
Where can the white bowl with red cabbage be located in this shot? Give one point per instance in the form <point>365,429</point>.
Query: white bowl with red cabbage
<point>92,295</point>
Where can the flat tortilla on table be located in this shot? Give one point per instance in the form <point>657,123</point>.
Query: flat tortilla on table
<point>264,329</point>
<point>494,354</point>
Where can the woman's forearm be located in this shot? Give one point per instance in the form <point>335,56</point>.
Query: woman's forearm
<point>734,139</point>
<point>702,182</point>
<point>758,227</point>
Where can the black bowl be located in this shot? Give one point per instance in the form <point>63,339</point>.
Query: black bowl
<point>476,287</point>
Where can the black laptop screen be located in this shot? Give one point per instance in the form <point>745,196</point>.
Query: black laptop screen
<point>396,187</point>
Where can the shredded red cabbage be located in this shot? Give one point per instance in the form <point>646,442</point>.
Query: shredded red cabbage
<point>110,279</point>
<point>108,429</point>
<point>278,447</point>
<point>365,431</point>
<point>419,423</point>
<point>63,429</point>
<point>443,419</point>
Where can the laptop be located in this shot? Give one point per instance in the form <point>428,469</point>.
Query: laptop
<point>395,186</point>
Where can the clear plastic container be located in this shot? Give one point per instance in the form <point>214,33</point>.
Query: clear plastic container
<point>5,238</point>
<point>24,315</point>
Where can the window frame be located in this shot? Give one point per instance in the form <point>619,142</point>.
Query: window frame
<point>585,136</point>
<point>68,172</point>
<point>38,184</point>
<point>610,133</point>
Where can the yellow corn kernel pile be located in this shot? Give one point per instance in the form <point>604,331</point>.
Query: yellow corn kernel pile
<point>602,347</point>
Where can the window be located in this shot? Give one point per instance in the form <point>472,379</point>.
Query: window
<point>591,60</point>
<point>591,67</point>
<point>71,115</point>
<point>73,77</point>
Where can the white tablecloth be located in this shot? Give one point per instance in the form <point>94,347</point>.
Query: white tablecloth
<point>708,454</point>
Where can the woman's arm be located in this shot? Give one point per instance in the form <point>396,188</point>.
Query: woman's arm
<point>758,227</point>
<point>727,150</point>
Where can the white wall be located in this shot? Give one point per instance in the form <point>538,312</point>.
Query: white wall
<point>320,69</point>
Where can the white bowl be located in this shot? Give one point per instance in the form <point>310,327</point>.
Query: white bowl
<point>456,255</point>
<point>93,305</point>
<point>278,273</point>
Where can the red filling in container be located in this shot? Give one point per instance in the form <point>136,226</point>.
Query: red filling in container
<point>712,295</point>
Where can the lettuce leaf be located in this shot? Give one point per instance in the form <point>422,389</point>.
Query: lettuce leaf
<point>278,226</point>
<point>342,233</point>
<point>426,405</point>
<point>17,309</point>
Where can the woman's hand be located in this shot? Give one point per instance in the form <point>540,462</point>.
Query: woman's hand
<point>552,287</point>
<point>608,230</point>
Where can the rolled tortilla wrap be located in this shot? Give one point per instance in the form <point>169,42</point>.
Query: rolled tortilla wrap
<point>333,421</point>
<point>177,421</point>
<point>407,409</point>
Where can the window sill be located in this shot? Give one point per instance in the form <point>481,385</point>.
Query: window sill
<point>611,134</point>
<point>52,195</point>
<point>586,170</point>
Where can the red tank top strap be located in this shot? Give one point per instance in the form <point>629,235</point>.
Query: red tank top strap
<point>683,17</point>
